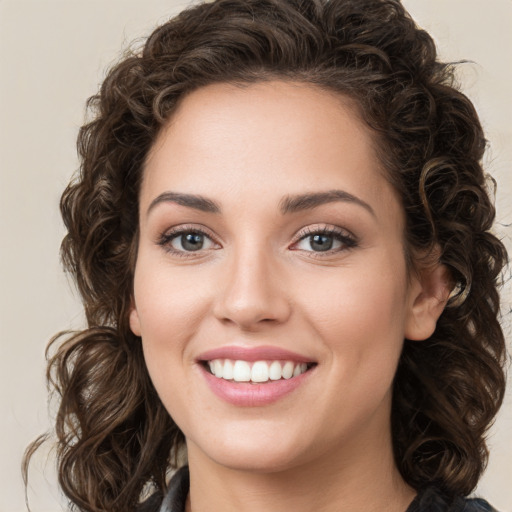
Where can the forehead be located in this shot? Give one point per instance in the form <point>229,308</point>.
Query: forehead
<point>268,114</point>
<point>268,139</point>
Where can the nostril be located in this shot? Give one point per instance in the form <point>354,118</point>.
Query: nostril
<point>249,296</point>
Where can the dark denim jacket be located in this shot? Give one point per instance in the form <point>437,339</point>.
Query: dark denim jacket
<point>429,500</point>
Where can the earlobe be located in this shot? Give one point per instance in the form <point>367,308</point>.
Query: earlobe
<point>429,295</point>
<point>134,321</point>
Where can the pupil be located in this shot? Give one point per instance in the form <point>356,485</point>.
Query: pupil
<point>321,242</point>
<point>192,241</point>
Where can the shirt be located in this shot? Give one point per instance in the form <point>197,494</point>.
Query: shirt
<point>427,500</point>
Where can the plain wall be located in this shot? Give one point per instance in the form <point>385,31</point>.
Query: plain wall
<point>52,57</point>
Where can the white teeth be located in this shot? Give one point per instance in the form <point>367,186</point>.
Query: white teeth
<point>227,372</point>
<point>217,368</point>
<point>258,372</point>
<point>275,371</point>
<point>241,371</point>
<point>288,370</point>
<point>300,368</point>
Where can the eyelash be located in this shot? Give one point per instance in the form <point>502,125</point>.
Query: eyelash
<point>167,237</point>
<point>348,240</point>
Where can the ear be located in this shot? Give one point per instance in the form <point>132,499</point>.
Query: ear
<point>429,292</point>
<point>134,319</point>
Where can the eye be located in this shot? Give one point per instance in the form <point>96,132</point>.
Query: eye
<point>185,240</point>
<point>325,240</point>
<point>191,242</point>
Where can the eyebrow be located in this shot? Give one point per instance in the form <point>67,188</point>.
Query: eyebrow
<point>289,204</point>
<point>190,200</point>
<point>297,203</point>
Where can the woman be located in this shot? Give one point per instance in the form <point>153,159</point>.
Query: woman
<point>280,232</point>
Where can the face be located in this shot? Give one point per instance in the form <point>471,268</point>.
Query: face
<point>270,288</point>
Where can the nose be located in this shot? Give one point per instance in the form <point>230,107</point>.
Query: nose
<point>251,292</point>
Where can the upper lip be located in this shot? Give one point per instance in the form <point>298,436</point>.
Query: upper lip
<point>252,354</point>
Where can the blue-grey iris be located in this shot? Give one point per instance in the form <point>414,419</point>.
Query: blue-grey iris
<point>192,241</point>
<point>321,242</point>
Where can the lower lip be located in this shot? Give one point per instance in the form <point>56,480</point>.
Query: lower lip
<point>246,394</point>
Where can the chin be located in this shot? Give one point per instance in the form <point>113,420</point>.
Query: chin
<point>259,452</point>
<point>257,460</point>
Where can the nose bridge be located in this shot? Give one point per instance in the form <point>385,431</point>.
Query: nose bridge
<point>251,291</point>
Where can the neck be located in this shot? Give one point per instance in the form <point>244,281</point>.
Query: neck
<point>356,479</point>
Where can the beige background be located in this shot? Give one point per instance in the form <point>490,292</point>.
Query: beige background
<point>52,57</point>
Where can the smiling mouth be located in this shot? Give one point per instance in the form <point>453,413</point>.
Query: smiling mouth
<point>257,372</point>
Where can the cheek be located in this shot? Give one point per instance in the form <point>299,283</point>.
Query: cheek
<point>168,318</point>
<point>168,303</point>
<point>361,316</point>
<point>359,302</point>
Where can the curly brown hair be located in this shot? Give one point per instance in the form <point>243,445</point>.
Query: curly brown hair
<point>114,436</point>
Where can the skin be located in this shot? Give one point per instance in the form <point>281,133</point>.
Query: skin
<point>259,281</point>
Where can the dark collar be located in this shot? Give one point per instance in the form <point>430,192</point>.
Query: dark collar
<point>176,497</point>
<point>427,500</point>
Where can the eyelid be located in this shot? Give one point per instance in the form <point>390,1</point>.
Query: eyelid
<point>169,234</point>
<point>313,229</point>
<point>346,237</point>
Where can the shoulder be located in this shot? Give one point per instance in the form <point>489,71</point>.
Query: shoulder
<point>152,504</point>
<point>433,500</point>
<point>477,505</point>
<point>174,500</point>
